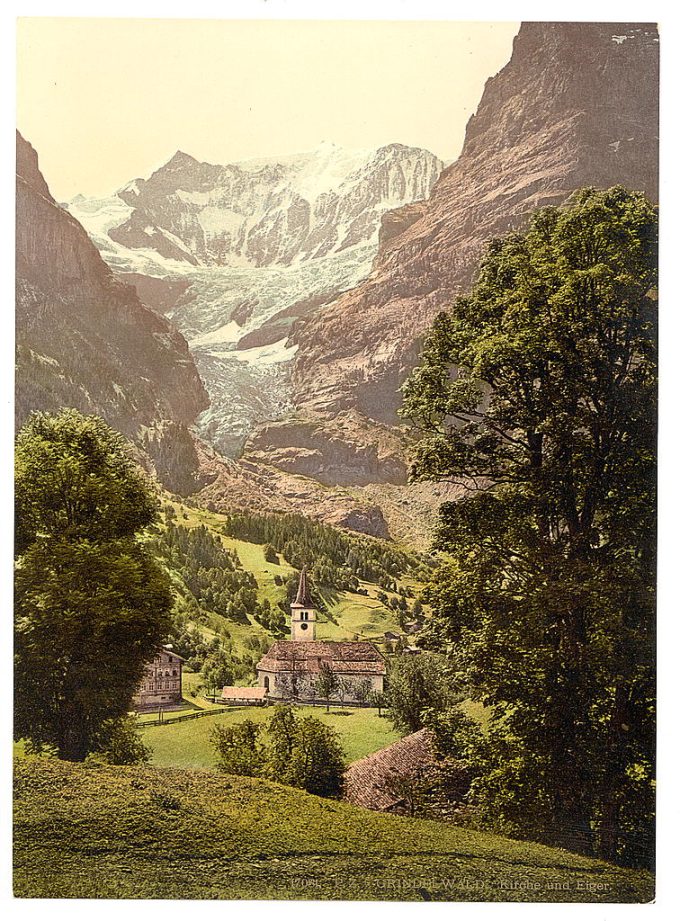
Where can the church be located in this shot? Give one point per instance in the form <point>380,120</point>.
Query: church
<point>290,670</point>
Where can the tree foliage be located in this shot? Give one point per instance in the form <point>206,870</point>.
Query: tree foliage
<point>218,670</point>
<point>91,603</point>
<point>75,479</point>
<point>301,753</point>
<point>538,391</point>
<point>119,742</point>
<point>416,684</point>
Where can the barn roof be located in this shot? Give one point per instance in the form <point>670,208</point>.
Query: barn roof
<point>234,693</point>
<point>370,782</point>
<point>350,658</point>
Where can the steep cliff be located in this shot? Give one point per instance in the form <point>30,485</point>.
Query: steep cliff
<point>576,105</point>
<point>84,339</point>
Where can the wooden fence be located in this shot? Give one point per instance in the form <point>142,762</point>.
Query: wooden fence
<point>163,720</point>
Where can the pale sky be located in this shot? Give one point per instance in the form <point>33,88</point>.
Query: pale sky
<point>104,101</point>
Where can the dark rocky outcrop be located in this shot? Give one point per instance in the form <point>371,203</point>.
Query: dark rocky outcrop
<point>84,339</point>
<point>342,454</point>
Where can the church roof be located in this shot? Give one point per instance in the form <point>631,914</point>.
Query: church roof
<point>373,782</point>
<point>303,599</point>
<point>347,658</point>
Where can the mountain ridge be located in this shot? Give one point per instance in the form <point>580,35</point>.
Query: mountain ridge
<point>168,234</point>
<point>576,105</point>
<point>270,211</point>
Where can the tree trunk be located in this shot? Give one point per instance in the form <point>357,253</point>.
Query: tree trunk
<point>609,832</point>
<point>73,746</point>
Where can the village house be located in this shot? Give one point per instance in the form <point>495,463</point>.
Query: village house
<point>291,668</point>
<point>161,685</point>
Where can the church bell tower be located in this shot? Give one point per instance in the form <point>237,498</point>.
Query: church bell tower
<point>303,613</point>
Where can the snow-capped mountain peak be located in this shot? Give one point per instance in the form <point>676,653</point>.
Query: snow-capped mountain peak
<point>269,211</point>
<point>235,254</point>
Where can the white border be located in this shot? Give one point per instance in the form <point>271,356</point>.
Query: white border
<point>577,10</point>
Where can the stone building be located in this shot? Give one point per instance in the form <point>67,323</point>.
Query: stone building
<point>291,668</point>
<point>161,685</point>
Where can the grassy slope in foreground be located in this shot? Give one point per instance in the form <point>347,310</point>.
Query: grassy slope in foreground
<point>187,745</point>
<point>131,832</point>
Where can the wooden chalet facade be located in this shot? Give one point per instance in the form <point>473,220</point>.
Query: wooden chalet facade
<point>161,685</point>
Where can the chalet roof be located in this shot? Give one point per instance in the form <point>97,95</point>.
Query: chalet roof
<point>303,599</point>
<point>370,782</point>
<point>349,658</point>
<point>169,651</point>
<point>234,693</point>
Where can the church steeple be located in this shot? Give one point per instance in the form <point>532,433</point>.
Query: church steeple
<point>303,597</point>
<point>303,612</point>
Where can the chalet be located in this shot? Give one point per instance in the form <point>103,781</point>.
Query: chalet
<point>291,668</point>
<point>161,685</point>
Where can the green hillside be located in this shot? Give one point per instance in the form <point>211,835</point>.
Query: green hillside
<point>364,611</point>
<point>111,832</point>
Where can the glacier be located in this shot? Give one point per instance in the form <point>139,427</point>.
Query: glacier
<point>256,247</point>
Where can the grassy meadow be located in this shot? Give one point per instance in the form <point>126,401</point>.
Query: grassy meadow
<point>187,745</point>
<point>95,831</point>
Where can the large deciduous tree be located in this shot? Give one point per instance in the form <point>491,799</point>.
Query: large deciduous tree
<point>92,606</point>
<point>538,391</point>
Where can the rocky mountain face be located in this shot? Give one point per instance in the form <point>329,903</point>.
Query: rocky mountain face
<point>85,340</point>
<point>576,105</point>
<point>236,254</point>
<point>305,285</point>
<point>271,212</point>
<point>402,513</point>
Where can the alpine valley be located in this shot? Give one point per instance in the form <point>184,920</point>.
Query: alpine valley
<point>254,321</point>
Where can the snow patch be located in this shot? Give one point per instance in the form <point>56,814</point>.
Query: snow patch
<point>229,332</point>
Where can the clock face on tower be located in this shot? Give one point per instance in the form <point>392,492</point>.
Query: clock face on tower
<point>303,626</point>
